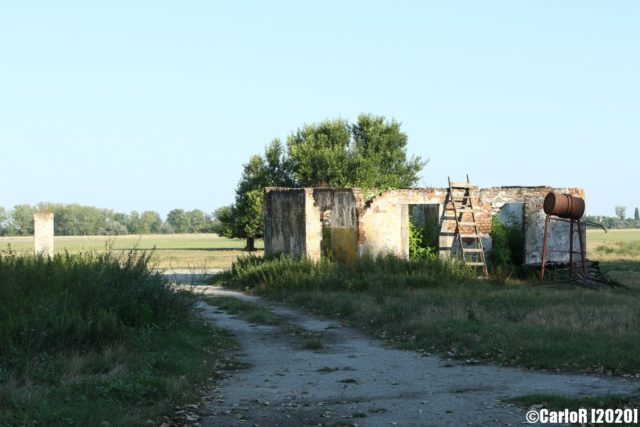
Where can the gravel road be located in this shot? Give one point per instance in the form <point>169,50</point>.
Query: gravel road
<point>355,380</point>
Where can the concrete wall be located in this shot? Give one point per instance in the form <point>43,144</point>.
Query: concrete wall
<point>558,235</point>
<point>285,222</point>
<point>339,215</point>
<point>385,219</point>
<point>43,233</point>
<point>313,226</point>
<point>381,225</point>
<point>294,221</point>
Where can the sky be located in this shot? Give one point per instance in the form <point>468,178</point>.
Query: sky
<point>158,104</point>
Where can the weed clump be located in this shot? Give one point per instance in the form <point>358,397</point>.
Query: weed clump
<point>507,248</point>
<point>420,246</point>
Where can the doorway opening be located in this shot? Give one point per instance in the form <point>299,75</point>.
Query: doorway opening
<point>424,230</point>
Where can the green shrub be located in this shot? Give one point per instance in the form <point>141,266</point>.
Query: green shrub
<point>419,242</point>
<point>507,244</point>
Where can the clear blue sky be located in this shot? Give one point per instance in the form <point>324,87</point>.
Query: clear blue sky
<point>156,105</point>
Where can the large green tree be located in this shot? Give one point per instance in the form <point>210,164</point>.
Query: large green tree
<point>369,154</point>
<point>319,155</point>
<point>178,219</point>
<point>244,218</point>
<point>379,155</point>
<point>223,221</point>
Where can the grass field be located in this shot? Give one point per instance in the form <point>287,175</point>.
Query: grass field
<point>618,252</point>
<point>171,250</point>
<point>598,237</point>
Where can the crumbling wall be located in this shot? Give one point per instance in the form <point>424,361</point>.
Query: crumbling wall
<point>529,200</point>
<point>339,218</point>
<point>294,220</point>
<point>385,219</point>
<point>285,220</point>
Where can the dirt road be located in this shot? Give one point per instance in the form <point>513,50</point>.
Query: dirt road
<point>356,380</point>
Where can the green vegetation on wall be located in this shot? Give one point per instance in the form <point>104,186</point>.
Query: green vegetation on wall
<point>419,242</point>
<point>507,244</point>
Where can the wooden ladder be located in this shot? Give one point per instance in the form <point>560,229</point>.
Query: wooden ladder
<point>466,229</point>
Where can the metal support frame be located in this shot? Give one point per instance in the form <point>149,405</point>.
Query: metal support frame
<point>571,251</point>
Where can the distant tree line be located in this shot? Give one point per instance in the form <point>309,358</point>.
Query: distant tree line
<point>78,220</point>
<point>618,221</point>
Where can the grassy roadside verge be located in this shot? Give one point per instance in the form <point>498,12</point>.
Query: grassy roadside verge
<point>98,340</point>
<point>432,306</point>
<point>257,314</point>
<point>250,311</point>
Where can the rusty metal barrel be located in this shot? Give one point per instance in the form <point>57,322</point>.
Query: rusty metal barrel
<point>564,206</point>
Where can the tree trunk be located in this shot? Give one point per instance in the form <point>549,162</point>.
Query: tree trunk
<point>251,246</point>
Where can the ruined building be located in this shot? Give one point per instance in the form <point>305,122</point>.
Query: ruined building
<point>301,222</point>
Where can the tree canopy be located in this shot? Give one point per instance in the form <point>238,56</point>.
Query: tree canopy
<point>369,154</point>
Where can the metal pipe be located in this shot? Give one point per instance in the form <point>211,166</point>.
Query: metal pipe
<point>544,248</point>
<point>582,250</point>
<point>594,224</point>
<point>571,249</point>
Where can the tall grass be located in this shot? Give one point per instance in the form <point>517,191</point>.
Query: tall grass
<point>364,274</point>
<point>90,339</point>
<point>79,302</point>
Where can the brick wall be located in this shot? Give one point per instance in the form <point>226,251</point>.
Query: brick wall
<point>381,223</point>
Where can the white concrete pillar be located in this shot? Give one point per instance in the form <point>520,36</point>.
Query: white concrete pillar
<point>43,233</point>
